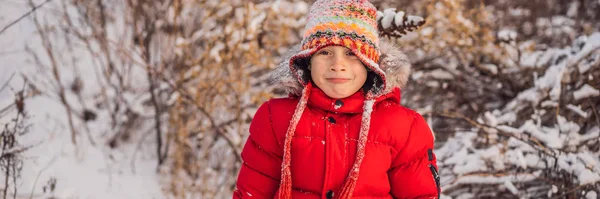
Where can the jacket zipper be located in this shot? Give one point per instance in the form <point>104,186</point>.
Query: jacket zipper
<point>436,176</point>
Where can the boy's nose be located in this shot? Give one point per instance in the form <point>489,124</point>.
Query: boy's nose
<point>338,65</point>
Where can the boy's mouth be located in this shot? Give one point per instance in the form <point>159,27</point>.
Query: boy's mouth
<point>337,80</point>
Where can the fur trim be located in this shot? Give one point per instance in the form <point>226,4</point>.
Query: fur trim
<point>282,75</point>
<point>396,66</point>
<point>394,63</point>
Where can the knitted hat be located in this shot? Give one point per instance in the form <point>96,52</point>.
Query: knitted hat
<point>348,23</point>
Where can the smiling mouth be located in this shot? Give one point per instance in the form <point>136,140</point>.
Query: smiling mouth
<point>337,80</point>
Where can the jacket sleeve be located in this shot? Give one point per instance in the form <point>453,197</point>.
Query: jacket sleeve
<point>260,173</point>
<point>414,170</point>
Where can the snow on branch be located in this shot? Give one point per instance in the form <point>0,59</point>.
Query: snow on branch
<point>396,24</point>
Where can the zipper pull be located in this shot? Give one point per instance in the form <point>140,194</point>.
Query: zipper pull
<point>430,154</point>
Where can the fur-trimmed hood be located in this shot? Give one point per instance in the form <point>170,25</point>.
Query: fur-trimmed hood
<point>393,62</point>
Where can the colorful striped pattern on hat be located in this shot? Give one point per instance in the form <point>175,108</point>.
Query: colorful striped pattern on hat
<point>345,23</point>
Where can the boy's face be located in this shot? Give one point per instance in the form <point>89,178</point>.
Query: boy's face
<point>337,71</point>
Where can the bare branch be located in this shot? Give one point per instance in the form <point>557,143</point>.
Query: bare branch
<point>61,92</point>
<point>7,82</point>
<point>23,16</point>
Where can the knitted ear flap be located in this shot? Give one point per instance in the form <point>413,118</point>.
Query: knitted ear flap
<point>285,187</point>
<point>347,189</point>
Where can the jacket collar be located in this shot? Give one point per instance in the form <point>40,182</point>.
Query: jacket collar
<point>351,104</point>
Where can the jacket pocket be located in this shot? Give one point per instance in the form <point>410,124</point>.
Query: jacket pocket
<point>434,172</point>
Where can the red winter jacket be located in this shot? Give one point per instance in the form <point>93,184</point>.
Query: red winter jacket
<point>398,161</point>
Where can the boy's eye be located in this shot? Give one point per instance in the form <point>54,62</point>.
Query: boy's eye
<point>350,53</point>
<point>323,52</point>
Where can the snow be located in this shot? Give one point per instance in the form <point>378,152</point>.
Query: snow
<point>591,195</point>
<point>180,41</point>
<point>491,68</point>
<point>337,106</point>
<point>80,171</point>
<point>399,18</point>
<point>519,12</point>
<point>589,161</point>
<point>593,133</point>
<point>573,7</point>
<point>465,22</point>
<point>215,51</point>
<point>414,20</point>
<point>388,17</point>
<point>556,71</point>
<point>530,59</point>
<point>516,157</point>
<point>427,32</point>
<point>507,118</point>
<point>511,187</point>
<point>507,35</point>
<point>530,95</point>
<point>585,91</point>
<point>533,161</point>
<point>465,196</point>
<point>256,21</point>
<point>562,21</point>
<point>549,103</point>
<point>490,153</point>
<point>551,80</point>
<point>588,177</point>
<point>440,74</point>
<point>368,109</point>
<point>509,129</point>
<point>490,179</point>
<point>585,65</point>
<point>566,126</point>
<point>454,144</point>
<point>301,7</point>
<point>550,136</point>
<point>417,75</point>
<point>466,163</point>
<point>224,11</point>
<point>577,110</point>
<point>572,164</point>
<point>491,119</point>
<point>17,149</point>
<point>547,56</point>
<point>592,44</point>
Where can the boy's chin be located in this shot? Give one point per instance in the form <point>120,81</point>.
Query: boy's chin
<point>339,94</point>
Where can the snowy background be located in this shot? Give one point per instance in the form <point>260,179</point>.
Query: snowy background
<point>152,99</point>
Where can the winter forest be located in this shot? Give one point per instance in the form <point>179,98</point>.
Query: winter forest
<point>153,98</point>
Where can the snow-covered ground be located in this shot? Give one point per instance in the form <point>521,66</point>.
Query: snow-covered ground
<point>84,171</point>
